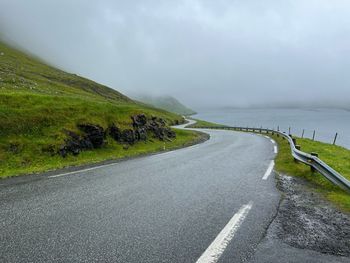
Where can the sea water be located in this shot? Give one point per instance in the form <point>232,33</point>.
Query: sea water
<point>325,122</point>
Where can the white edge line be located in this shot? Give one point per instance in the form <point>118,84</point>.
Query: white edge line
<point>275,149</point>
<point>272,141</point>
<point>111,164</point>
<point>267,137</point>
<point>269,170</point>
<point>81,171</point>
<point>218,246</point>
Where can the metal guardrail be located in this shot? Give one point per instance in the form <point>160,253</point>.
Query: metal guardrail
<point>313,161</point>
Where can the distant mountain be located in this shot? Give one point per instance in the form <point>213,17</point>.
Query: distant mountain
<point>167,103</point>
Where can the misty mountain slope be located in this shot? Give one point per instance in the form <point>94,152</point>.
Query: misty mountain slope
<point>41,107</point>
<point>24,73</point>
<point>166,103</point>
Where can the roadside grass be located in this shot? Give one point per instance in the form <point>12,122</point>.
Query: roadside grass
<point>335,156</point>
<point>32,159</point>
<point>204,124</point>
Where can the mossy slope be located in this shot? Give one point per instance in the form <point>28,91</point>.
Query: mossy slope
<point>38,102</point>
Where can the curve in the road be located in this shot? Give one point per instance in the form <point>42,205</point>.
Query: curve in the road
<point>180,206</point>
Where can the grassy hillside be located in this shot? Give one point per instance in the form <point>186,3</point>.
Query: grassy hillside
<point>39,104</point>
<point>167,103</point>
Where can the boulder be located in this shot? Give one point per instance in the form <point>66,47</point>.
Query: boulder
<point>72,144</point>
<point>94,133</point>
<point>128,136</point>
<point>115,132</point>
<point>141,134</point>
<point>139,120</point>
<point>169,133</point>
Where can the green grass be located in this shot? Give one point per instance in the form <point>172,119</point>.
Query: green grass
<point>204,124</point>
<point>335,156</point>
<point>34,160</point>
<point>38,102</point>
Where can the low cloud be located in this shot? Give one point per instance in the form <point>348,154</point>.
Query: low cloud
<point>206,53</point>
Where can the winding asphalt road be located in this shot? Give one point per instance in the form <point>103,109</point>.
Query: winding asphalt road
<point>211,202</point>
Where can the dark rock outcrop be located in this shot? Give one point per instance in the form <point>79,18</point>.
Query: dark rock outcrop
<point>93,137</point>
<point>141,134</point>
<point>141,128</point>
<point>128,136</point>
<point>139,120</point>
<point>94,133</point>
<point>72,144</point>
<point>115,132</point>
<point>159,129</point>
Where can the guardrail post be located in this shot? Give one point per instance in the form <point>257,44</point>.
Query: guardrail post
<point>294,141</point>
<point>316,155</point>
<point>335,138</point>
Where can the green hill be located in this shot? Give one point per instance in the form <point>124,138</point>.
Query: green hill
<point>43,110</point>
<point>167,103</point>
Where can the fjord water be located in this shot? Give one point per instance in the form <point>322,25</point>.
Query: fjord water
<point>326,122</point>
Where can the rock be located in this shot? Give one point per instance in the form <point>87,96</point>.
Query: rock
<point>71,146</point>
<point>169,133</point>
<point>158,127</point>
<point>141,134</point>
<point>139,120</point>
<point>128,136</point>
<point>141,128</point>
<point>114,132</point>
<point>74,144</point>
<point>94,133</point>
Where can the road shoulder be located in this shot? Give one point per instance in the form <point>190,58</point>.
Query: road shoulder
<point>306,228</point>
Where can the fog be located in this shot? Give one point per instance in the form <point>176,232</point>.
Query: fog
<point>205,53</point>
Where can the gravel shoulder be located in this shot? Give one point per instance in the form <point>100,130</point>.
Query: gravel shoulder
<point>306,228</point>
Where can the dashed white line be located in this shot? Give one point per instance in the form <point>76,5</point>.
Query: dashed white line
<point>267,137</point>
<point>272,141</point>
<point>218,246</point>
<point>275,149</point>
<point>269,170</point>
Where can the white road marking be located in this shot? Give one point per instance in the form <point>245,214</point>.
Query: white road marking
<point>275,149</point>
<point>218,246</point>
<point>81,171</point>
<point>269,170</point>
<point>267,137</point>
<point>272,141</point>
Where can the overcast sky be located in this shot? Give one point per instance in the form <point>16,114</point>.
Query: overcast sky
<point>222,52</point>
